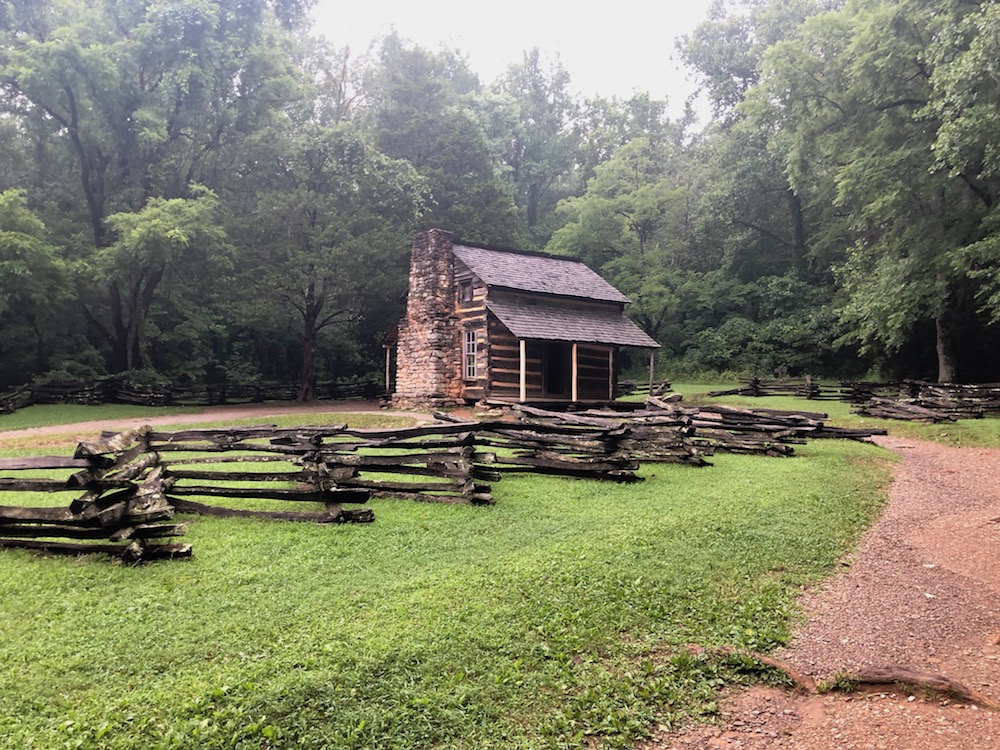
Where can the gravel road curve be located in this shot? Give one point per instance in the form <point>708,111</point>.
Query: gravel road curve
<point>923,592</point>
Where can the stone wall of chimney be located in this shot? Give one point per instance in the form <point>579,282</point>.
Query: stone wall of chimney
<point>428,353</point>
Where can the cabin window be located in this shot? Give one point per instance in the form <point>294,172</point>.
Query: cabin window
<point>469,355</point>
<point>465,292</point>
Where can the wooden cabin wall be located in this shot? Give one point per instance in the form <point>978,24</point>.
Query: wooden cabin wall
<point>471,316</point>
<point>505,364</point>
<point>594,377</point>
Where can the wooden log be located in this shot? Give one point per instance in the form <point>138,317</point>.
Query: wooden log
<point>476,498</point>
<point>150,531</point>
<point>224,459</point>
<point>50,462</point>
<point>50,531</point>
<point>34,485</point>
<point>330,515</point>
<point>215,448</point>
<point>667,403</point>
<point>269,493</point>
<point>402,459</point>
<point>128,472</point>
<point>414,432</point>
<point>14,514</point>
<point>116,443</point>
<point>64,548</point>
<point>91,503</point>
<point>934,681</point>
<point>547,466</point>
<point>100,466</point>
<point>241,476</point>
<point>149,503</point>
<point>563,417</point>
<point>382,485</point>
<point>234,435</point>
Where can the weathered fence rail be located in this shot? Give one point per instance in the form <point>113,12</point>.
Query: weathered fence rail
<point>127,484</point>
<point>909,399</point>
<point>119,505</point>
<point>666,431</point>
<point>115,391</point>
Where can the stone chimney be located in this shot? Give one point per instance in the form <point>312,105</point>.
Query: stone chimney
<point>428,355</point>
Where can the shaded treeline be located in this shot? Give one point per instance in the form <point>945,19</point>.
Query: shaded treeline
<point>205,192</point>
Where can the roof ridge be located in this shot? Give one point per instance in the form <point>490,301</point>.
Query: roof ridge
<point>518,251</point>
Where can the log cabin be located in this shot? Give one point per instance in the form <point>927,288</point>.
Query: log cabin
<point>484,323</point>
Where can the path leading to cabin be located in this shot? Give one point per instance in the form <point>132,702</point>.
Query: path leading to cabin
<point>923,591</point>
<point>87,430</point>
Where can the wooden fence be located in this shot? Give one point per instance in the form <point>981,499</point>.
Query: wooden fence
<point>116,391</point>
<point>127,485</point>
<point>909,399</point>
<point>120,506</point>
<point>665,431</point>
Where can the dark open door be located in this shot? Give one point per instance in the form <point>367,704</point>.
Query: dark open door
<point>557,369</point>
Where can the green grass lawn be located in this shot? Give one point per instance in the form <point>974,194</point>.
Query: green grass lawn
<point>560,617</point>
<point>42,415</point>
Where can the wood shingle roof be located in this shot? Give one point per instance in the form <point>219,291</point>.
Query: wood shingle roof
<point>541,319</point>
<point>540,274</point>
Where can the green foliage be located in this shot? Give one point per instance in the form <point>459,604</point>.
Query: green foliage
<point>423,108</point>
<point>838,214</point>
<point>540,147</point>
<point>33,295</point>
<point>851,90</point>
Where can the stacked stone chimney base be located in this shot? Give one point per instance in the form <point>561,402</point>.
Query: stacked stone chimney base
<point>428,354</point>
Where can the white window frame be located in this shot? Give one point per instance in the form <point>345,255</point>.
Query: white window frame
<point>470,347</point>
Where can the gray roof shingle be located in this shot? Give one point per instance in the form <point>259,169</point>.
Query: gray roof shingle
<point>563,277</point>
<point>555,322</point>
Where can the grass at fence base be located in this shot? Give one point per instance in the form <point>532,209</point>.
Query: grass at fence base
<point>558,617</point>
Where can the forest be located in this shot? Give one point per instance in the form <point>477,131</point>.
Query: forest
<point>206,191</point>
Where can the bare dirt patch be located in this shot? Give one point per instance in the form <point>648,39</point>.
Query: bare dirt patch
<point>922,592</point>
<point>86,430</point>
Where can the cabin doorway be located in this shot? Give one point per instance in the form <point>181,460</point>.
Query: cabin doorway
<point>557,369</point>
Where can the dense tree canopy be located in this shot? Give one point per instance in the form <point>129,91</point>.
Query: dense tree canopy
<point>201,190</point>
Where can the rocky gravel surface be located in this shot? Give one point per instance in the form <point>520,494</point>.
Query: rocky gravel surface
<point>922,592</point>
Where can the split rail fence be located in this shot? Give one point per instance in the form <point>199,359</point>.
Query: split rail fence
<point>114,391</point>
<point>910,399</point>
<point>127,487</point>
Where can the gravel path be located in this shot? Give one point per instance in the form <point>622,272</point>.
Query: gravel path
<point>921,592</point>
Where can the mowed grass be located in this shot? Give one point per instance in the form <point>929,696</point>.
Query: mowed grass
<point>560,617</point>
<point>43,415</point>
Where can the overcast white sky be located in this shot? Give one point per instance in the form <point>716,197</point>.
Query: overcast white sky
<point>609,48</point>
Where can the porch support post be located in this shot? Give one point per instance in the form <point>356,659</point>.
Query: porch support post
<point>652,355</point>
<point>576,374</point>
<point>611,373</point>
<point>524,370</point>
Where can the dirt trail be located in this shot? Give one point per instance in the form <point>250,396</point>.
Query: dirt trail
<point>923,591</point>
<point>87,430</point>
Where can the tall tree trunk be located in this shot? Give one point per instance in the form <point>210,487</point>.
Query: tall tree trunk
<point>945,325</point>
<point>799,247</point>
<point>310,310</point>
<point>118,336</point>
